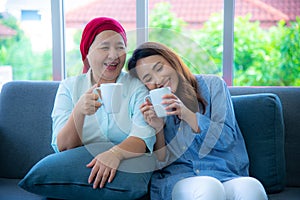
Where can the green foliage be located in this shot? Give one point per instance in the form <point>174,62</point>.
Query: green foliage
<point>210,38</point>
<point>73,57</point>
<point>162,17</point>
<point>290,54</point>
<point>166,28</point>
<point>16,51</point>
<point>163,24</point>
<point>262,56</point>
<point>266,56</point>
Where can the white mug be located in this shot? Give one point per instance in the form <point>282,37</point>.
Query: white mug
<point>155,96</point>
<point>111,96</point>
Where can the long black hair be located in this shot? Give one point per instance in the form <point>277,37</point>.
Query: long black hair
<point>188,92</point>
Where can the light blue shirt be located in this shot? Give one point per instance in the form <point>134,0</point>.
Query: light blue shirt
<point>103,127</point>
<point>218,150</point>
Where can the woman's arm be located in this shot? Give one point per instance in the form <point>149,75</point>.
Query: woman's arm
<point>158,124</point>
<point>70,135</point>
<point>105,165</point>
<point>160,146</point>
<point>191,118</point>
<point>218,125</point>
<point>178,108</point>
<point>131,147</point>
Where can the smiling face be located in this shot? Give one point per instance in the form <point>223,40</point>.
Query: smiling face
<point>107,56</point>
<point>156,72</point>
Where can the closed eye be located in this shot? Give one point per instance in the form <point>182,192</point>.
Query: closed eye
<point>147,79</point>
<point>104,48</point>
<point>159,68</point>
<point>120,47</point>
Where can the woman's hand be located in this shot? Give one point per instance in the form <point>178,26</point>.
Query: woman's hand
<point>104,167</point>
<point>174,106</point>
<point>150,116</point>
<point>88,103</point>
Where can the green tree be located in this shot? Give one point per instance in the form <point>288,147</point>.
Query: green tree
<point>261,56</point>
<point>210,38</point>
<point>290,53</point>
<point>269,57</point>
<point>170,30</point>
<point>17,52</point>
<point>73,57</point>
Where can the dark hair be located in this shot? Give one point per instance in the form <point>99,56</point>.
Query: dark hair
<point>188,82</point>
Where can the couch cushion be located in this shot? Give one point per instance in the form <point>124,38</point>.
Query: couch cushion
<point>25,125</point>
<point>289,97</point>
<point>289,193</point>
<point>9,190</point>
<point>64,175</point>
<point>260,119</point>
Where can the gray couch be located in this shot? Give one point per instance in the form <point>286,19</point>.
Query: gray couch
<point>269,118</point>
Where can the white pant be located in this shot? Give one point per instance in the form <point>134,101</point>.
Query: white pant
<point>209,188</point>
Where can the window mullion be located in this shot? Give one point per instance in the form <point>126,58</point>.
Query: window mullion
<point>228,34</point>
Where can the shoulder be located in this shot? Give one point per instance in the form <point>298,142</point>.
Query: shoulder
<point>210,80</point>
<point>131,82</point>
<point>210,84</point>
<point>73,79</point>
<point>78,82</point>
<point>209,77</point>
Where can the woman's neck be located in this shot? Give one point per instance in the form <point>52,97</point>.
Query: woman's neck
<point>102,80</point>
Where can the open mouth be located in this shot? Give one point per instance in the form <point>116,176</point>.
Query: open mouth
<point>111,66</point>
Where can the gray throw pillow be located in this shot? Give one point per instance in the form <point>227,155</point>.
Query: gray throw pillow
<point>260,119</point>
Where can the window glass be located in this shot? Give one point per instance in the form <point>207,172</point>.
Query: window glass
<point>194,29</point>
<point>25,40</point>
<point>266,43</point>
<point>266,37</point>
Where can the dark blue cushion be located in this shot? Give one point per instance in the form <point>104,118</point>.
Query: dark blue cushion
<point>260,119</point>
<point>64,175</point>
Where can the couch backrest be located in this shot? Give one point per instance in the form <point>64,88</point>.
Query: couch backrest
<point>25,125</point>
<point>290,99</point>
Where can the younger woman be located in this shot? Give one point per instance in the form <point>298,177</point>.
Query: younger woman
<point>200,142</point>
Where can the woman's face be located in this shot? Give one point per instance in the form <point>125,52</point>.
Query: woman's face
<point>156,72</point>
<point>107,56</point>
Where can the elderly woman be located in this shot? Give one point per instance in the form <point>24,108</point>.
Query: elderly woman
<point>95,149</point>
<point>78,116</point>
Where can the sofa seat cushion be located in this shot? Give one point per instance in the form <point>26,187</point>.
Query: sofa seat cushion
<point>289,193</point>
<point>64,175</point>
<point>260,119</point>
<point>9,190</point>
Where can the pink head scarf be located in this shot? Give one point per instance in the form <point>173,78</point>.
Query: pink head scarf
<point>92,29</point>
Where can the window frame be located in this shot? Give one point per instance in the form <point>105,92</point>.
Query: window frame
<point>142,7</point>
<point>58,40</point>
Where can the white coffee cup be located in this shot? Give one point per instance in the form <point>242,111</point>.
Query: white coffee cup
<point>155,96</point>
<point>111,96</point>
